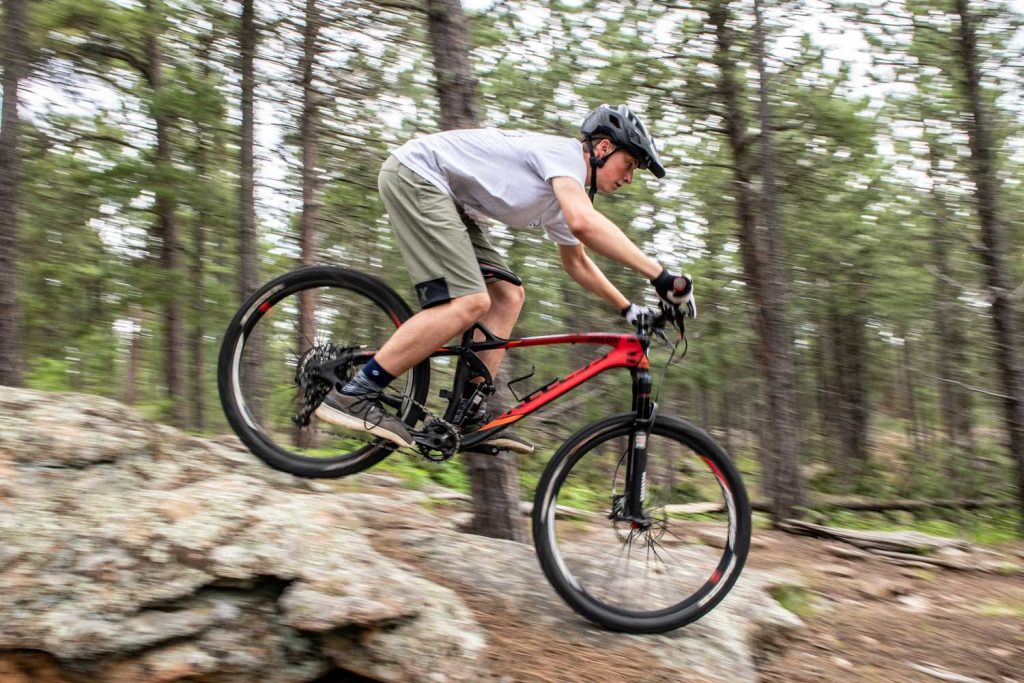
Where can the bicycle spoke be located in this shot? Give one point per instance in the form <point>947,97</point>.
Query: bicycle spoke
<point>647,568</point>
<point>675,535</point>
<point>629,557</point>
<point>657,567</point>
<point>346,312</point>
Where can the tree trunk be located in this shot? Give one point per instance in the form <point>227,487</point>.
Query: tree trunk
<point>196,276</point>
<point>248,249</point>
<point>910,398</point>
<point>761,251</point>
<point>13,61</point>
<point>705,406</point>
<point>309,128</point>
<point>166,228</point>
<point>954,398</point>
<point>828,403</point>
<point>453,71</point>
<point>850,377</point>
<point>248,270</point>
<point>993,252</point>
<point>784,477</point>
<point>724,398</point>
<point>841,422</point>
<point>494,481</point>
<point>134,365</point>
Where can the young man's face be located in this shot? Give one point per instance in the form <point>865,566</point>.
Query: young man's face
<point>617,170</point>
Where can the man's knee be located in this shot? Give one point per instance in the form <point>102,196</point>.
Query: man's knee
<point>472,307</point>
<point>507,296</point>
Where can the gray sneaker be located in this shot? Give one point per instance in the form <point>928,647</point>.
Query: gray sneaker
<point>505,440</point>
<point>363,414</point>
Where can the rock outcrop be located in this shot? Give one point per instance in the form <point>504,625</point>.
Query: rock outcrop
<point>132,552</point>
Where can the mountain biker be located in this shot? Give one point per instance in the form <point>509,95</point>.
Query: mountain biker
<point>441,190</point>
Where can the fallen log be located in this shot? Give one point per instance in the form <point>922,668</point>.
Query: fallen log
<point>911,542</point>
<point>911,505</point>
<point>914,560</point>
<point>860,505</point>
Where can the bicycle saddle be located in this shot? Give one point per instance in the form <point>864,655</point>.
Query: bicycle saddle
<point>492,272</point>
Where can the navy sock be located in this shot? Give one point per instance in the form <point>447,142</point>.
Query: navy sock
<point>372,378</point>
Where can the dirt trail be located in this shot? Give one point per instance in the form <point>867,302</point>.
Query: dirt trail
<point>865,621</point>
<point>873,621</point>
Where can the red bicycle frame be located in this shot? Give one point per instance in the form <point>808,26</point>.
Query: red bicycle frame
<point>628,351</point>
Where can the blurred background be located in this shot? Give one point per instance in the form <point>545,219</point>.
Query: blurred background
<point>844,182</point>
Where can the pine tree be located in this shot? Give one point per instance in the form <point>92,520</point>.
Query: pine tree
<point>13,61</point>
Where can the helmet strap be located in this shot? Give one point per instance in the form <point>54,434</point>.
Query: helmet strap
<point>596,162</point>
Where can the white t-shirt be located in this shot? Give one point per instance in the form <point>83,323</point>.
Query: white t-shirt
<point>500,174</point>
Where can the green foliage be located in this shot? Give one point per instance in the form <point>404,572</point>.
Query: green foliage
<point>417,472</point>
<point>1012,609</point>
<point>992,526</point>
<point>865,176</point>
<point>48,374</point>
<point>796,599</point>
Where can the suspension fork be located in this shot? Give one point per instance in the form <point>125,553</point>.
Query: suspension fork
<point>645,411</point>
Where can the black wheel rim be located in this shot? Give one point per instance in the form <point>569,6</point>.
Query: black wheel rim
<point>668,569</point>
<point>271,330</point>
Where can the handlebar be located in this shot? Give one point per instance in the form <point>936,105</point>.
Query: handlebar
<point>666,314</point>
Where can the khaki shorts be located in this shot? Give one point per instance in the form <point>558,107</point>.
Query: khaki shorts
<point>441,246</point>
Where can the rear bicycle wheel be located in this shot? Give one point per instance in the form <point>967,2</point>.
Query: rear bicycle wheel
<point>308,318</point>
<point>651,577</point>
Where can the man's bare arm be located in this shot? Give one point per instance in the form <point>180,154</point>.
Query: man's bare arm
<point>592,228</point>
<point>583,270</point>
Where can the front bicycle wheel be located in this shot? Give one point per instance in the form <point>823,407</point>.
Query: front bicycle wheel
<point>267,375</point>
<point>651,576</point>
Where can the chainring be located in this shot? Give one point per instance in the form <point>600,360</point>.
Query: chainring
<point>445,437</point>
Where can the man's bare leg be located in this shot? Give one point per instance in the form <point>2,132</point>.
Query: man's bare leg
<point>411,343</point>
<point>506,304</point>
<point>422,334</point>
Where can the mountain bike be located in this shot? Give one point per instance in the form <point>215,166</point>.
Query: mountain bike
<point>640,520</point>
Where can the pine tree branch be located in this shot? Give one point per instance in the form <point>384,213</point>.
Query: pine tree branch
<point>404,6</point>
<point>116,53</point>
<point>968,387</point>
<point>945,278</point>
<point>97,137</point>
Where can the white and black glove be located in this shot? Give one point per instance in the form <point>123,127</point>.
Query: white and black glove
<point>638,316</point>
<point>676,291</point>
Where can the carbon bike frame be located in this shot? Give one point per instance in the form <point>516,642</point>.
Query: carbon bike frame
<point>628,351</point>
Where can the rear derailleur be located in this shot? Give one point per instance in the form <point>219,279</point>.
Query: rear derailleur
<point>316,373</point>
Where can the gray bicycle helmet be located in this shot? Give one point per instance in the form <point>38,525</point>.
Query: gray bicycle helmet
<point>627,131</point>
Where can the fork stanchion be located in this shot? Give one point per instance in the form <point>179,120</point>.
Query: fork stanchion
<point>636,459</point>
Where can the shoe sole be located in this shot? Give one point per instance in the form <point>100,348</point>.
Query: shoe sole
<point>336,417</point>
<point>509,445</point>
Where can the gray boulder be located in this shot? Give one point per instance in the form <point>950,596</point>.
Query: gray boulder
<point>130,551</point>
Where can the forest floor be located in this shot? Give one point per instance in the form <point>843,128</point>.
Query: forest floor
<point>868,620</point>
<point>865,620</point>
